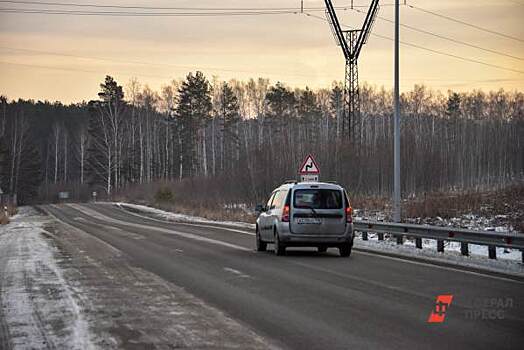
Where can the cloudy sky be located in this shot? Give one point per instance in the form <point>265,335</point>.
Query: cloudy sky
<point>65,57</point>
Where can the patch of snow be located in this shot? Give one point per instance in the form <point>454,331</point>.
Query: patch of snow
<point>477,259</point>
<point>39,307</point>
<point>508,260</point>
<point>480,251</point>
<point>169,216</point>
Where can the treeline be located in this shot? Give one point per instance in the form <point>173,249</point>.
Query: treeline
<point>234,141</point>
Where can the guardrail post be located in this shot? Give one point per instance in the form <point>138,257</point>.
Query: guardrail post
<point>418,243</point>
<point>440,246</point>
<point>364,236</point>
<point>400,239</point>
<point>492,251</point>
<point>380,236</point>
<point>464,248</point>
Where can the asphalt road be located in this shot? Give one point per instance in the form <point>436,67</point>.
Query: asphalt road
<point>307,300</point>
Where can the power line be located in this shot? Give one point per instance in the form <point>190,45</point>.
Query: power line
<point>72,69</point>
<point>462,82</point>
<point>134,62</point>
<point>440,36</point>
<point>70,4</point>
<point>144,14</point>
<point>465,23</point>
<point>258,13</point>
<point>430,50</point>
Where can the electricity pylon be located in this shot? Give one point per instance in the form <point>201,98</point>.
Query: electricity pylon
<point>351,42</point>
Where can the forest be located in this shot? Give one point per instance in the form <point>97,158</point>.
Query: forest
<point>233,142</point>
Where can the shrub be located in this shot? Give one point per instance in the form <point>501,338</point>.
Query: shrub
<point>164,195</point>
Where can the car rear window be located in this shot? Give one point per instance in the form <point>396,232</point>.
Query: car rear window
<point>317,199</point>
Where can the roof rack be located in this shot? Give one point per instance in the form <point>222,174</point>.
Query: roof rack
<point>333,182</point>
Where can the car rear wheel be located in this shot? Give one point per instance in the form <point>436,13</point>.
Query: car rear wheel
<point>280,248</point>
<point>261,245</point>
<point>345,249</point>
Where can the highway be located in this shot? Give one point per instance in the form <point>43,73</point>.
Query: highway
<point>308,300</point>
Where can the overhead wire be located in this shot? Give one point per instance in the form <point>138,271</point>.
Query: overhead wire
<point>443,37</point>
<point>145,14</point>
<point>428,49</point>
<point>74,4</point>
<point>146,63</point>
<point>134,62</point>
<point>471,25</point>
<point>247,12</point>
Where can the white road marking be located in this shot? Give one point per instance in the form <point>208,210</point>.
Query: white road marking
<point>74,228</point>
<point>158,229</point>
<point>236,272</point>
<point>189,223</point>
<point>407,260</point>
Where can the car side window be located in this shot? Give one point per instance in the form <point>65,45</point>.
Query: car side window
<point>278,202</point>
<point>270,200</point>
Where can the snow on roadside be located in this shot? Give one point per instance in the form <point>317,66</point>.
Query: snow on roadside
<point>449,256</point>
<point>164,215</point>
<point>37,306</point>
<point>508,260</point>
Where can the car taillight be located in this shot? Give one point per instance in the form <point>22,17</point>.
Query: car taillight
<point>285,214</point>
<point>349,214</point>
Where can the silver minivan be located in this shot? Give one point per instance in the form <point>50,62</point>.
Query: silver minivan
<point>299,214</point>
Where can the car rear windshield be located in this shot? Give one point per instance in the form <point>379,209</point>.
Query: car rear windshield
<point>318,199</point>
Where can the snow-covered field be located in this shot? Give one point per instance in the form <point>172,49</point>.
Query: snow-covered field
<point>508,260</point>
<point>38,309</point>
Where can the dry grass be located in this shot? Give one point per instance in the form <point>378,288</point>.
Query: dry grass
<point>508,201</point>
<point>370,203</point>
<point>184,198</point>
<point>209,213</point>
<point>201,199</point>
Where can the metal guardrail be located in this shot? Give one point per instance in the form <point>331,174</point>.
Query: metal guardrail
<point>441,234</point>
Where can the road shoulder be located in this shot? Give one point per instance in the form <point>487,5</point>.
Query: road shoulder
<point>123,306</point>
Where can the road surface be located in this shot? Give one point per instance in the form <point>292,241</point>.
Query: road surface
<point>308,300</point>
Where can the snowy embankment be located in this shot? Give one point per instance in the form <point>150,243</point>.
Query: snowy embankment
<point>508,260</point>
<point>496,223</point>
<point>169,216</point>
<point>38,309</point>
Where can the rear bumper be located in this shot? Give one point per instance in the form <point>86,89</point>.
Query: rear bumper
<point>292,239</point>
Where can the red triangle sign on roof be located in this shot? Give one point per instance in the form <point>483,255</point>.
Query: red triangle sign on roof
<point>309,166</point>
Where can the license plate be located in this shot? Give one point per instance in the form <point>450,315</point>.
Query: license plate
<point>310,221</point>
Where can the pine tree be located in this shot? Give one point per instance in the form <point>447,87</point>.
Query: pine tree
<point>228,110</point>
<point>453,107</point>
<point>309,112</point>
<point>105,128</point>
<point>193,113</point>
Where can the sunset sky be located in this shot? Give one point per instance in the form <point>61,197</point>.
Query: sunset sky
<point>65,57</point>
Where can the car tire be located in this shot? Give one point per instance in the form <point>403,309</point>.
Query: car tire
<point>280,248</point>
<point>345,249</point>
<point>261,245</point>
<point>322,249</point>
